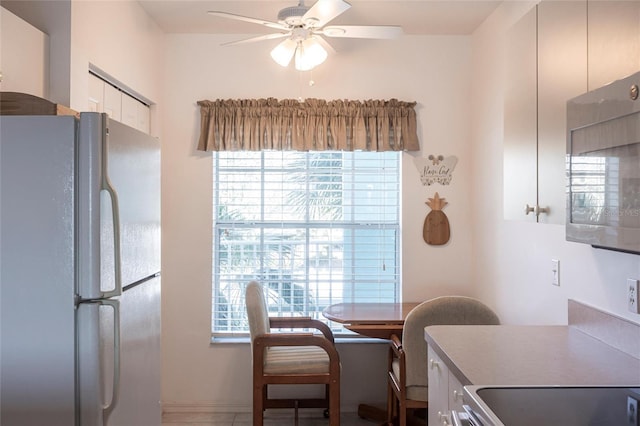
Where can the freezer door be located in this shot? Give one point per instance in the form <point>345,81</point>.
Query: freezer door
<point>118,206</point>
<point>133,168</point>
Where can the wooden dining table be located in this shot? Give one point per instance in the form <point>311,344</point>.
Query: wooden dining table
<point>377,320</point>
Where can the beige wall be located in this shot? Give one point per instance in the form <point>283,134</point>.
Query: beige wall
<point>458,83</point>
<point>512,260</point>
<point>421,69</point>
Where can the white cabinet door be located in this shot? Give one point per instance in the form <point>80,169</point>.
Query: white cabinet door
<point>456,393</point>
<point>438,413</point>
<point>96,94</point>
<point>520,120</point>
<point>23,56</point>
<point>614,40</point>
<point>130,110</point>
<point>113,102</point>
<point>135,113</point>
<point>144,122</point>
<point>562,75</point>
<point>546,66</point>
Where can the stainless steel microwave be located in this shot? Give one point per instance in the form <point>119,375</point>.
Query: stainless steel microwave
<point>603,166</point>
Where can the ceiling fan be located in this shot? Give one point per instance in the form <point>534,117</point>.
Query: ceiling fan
<point>304,27</point>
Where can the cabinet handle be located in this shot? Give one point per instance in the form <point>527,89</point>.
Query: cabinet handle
<point>457,395</point>
<point>443,417</point>
<point>537,210</point>
<point>540,210</point>
<point>433,363</point>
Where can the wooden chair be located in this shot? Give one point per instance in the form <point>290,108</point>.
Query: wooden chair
<point>407,364</point>
<point>290,358</point>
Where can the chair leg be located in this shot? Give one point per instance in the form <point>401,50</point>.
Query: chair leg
<point>402,415</point>
<point>258,404</point>
<point>334,404</point>
<point>390,403</point>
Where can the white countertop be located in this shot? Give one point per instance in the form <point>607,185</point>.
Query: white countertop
<point>530,355</point>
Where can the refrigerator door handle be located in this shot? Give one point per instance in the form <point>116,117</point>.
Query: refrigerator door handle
<point>115,209</point>
<point>115,393</point>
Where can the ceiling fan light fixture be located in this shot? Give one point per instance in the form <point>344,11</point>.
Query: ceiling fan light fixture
<point>309,54</point>
<point>284,51</point>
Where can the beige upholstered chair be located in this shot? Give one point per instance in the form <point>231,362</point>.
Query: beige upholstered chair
<point>290,358</point>
<point>407,366</point>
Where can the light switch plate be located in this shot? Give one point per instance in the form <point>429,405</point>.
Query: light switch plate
<point>555,270</point>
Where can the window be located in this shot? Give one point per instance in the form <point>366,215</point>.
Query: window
<point>315,228</point>
<point>594,181</point>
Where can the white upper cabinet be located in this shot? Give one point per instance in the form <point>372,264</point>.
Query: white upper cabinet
<point>520,119</point>
<point>546,66</point>
<point>24,56</point>
<point>96,94</point>
<point>135,113</point>
<point>144,118</point>
<point>557,51</point>
<point>562,75</point>
<point>614,40</point>
<point>103,97</point>
<point>130,110</point>
<point>113,102</point>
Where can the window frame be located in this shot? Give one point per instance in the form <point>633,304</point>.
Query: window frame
<point>221,226</point>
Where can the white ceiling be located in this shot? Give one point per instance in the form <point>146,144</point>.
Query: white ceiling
<point>444,17</point>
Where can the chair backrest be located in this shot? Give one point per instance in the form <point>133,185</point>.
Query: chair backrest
<point>446,310</point>
<point>257,312</point>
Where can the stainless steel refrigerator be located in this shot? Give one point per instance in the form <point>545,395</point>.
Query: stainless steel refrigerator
<point>79,272</point>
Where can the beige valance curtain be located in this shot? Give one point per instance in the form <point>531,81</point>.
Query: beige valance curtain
<point>311,125</point>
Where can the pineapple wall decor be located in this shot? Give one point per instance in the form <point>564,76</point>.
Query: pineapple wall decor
<point>436,230</point>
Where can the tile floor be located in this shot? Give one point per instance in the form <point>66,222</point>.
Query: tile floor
<point>307,417</point>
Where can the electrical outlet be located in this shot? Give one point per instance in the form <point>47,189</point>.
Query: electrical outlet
<point>632,295</point>
<point>555,269</point>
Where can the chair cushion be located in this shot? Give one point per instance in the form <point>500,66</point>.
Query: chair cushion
<point>296,359</point>
<point>395,367</point>
<point>416,393</point>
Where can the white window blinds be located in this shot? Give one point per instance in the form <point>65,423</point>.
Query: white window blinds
<point>315,228</point>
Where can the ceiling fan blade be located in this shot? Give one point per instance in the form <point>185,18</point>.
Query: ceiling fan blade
<point>269,24</point>
<point>362,31</point>
<point>324,43</point>
<point>258,38</point>
<point>324,11</point>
